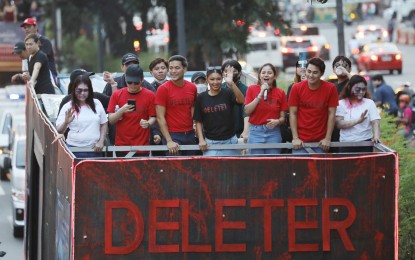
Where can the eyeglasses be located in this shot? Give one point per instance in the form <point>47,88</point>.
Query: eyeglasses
<point>80,90</point>
<point>344,65</point>
<point>133,83</point>
<point>213,68</point>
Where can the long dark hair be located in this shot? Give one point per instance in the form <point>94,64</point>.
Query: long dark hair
<point>274,83</point>
<point>89,100</point>
<point>347,91</point>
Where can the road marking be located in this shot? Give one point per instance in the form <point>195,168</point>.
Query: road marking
<point>2,193</point>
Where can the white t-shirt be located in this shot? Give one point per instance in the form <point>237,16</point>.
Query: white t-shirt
<point>85,129</point>
<point>362,131</point>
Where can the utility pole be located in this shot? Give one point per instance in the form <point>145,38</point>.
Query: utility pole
<point>340,27</point>
<point>181,34</point>
<point>100,52</point>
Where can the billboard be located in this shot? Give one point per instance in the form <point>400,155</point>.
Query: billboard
<point>236,208</point>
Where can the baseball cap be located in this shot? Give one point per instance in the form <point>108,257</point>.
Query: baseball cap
<point>19,47</point>
<point>129,57</point>
<point>198,75</point>
<point>29,21</point>
<point>77,72</point>
<point>134,73</point>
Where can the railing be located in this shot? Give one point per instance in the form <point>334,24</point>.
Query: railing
<point>131,150</point>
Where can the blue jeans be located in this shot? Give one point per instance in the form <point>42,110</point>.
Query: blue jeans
<point>260,134</point>
<point>302,150</point>
<point>183,138</point>
<point>212,152</point>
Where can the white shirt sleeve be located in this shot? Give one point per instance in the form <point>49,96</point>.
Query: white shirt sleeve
<point>341,109</point>
<point>373,111</point>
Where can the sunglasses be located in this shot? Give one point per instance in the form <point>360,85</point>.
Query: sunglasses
<point>80,90</point>
<point>214,68</point>
<point>133,83</point>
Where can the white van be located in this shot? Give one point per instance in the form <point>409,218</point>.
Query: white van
<point>263,50</point>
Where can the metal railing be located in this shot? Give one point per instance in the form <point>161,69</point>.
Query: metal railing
<point>130,151</point>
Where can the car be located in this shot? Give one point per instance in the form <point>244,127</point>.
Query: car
<point>311,32</point>
<point>263,50</point>
<point>365,34</point>
<point>380,56</point>
<point>292,46</point>
<point>18,174</point>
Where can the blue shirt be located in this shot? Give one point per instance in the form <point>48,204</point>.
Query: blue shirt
<point>386,96</point>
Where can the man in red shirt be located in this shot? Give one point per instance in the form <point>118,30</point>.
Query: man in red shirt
<point>175,105</point>
<point>132,110</point>
<point>313,104</point>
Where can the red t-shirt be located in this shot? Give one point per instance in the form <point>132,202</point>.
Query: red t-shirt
<point>313,108</point>
<point>129,131</point>
<point>266,109</point>
<point>178,102</point>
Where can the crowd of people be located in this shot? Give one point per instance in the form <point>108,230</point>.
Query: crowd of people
<point>214,108</point>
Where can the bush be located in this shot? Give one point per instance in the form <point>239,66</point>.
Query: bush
<point>405,150</point>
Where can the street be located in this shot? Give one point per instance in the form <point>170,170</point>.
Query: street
<point>9,244</point>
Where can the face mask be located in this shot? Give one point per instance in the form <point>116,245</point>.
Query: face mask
<point>201,88</point>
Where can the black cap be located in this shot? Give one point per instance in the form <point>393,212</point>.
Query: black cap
<point>129,57</point>
<point>198,75</point>
<point>134,73</point>
<point>78,72</point>
<point>19,47</point>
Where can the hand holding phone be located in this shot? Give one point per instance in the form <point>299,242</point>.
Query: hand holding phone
<point>131,102</point>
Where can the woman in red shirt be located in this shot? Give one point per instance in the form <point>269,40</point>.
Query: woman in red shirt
<point>266,105</point>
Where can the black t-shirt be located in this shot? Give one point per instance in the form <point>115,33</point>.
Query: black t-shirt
<point>340,86</point>
<point>216,114</point>
<point>43,83</point>
<point>46,48</point>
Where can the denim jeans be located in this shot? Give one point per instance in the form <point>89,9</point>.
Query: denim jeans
<point>260,134</point>
<point>302,150</point>
<point>212,152</point>
<point>183,138</point>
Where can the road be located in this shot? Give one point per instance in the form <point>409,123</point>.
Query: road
<point>9,244</point>
<point>329,30</point>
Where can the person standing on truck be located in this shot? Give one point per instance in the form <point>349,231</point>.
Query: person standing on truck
<point>313,104</point>
<point>158,69</point>
<point>265,104</point>
<point>240,118</point>
<point>341,67</point>
<point>20,50</point>
<point>114,84</point>
<point>357,116</point>
<point>132,110</point>
<point>38,66</point>
<point>86,119</point>
<point>384,95</point>
<point>104,99</point>
<point>175,105</point>
<point>214,112</point>
<point>30,26</point>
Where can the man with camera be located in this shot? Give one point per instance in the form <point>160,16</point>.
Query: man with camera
<point>132,110</point>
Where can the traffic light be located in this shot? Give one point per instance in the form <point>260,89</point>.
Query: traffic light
<point>137,45</point>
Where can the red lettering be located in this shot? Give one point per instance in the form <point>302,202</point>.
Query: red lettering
<point>294,225</point>
<point>139,224</point>
<point>267,205</point>
<point>340,226</point>
<point>186,247</point>
<point>153,226</point>
<point>220,225</point>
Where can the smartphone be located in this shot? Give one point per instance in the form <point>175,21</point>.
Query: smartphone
<point>131,102</point>
<point>302,60</point>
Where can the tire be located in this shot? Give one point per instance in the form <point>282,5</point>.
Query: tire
<point>18,231</point>
<point>400,71</point>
